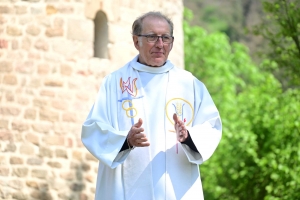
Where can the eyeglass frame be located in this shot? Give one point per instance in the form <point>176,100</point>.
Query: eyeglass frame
<point>157,36</point>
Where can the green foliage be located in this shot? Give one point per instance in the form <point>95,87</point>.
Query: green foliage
<point>281,29</point>
<point>259,154</point>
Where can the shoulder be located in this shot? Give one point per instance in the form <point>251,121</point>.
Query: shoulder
<point>183,73</point>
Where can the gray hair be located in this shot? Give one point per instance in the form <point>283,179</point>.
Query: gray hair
<point>137,25</point>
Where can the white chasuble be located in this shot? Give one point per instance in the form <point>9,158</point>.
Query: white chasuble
<point>166,169</point>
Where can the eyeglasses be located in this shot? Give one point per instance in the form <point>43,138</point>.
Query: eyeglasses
<point>153,38</point>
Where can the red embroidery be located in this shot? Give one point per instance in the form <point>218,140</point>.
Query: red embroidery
<point>129,87</point>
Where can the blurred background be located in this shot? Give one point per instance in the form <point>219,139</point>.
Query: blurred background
<point>247,53</point>
<point>55,53</point>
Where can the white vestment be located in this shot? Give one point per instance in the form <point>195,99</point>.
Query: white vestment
<point>166,169</point>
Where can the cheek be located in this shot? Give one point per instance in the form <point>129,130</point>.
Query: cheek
<point>140,43</point>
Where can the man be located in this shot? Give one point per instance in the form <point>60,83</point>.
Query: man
<point>152,123</point>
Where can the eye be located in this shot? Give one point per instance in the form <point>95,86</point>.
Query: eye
<point>152,37</point>
<point>166,38</point>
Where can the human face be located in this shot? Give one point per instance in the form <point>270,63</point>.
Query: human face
<point>153,54</point>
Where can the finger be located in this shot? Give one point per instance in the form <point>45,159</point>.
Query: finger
<point>144,144</point>
<point>137,130</point>
<point>175,118</point>
<point>139,123</point>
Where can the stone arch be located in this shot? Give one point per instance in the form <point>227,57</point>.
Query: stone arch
<point>101,35</point>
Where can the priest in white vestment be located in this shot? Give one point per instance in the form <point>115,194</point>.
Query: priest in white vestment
<point>152,123</point>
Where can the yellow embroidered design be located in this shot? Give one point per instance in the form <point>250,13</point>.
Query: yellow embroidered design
<point>182,108</point>
<point>131,111</point>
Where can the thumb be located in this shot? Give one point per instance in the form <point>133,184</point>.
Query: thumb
<point>139,123</point>
<point>175,118</point>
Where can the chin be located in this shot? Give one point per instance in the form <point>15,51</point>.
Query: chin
<point>158,63</point>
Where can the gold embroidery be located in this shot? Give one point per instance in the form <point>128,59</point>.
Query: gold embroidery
<point>130,109</point>
<point>179,104</point>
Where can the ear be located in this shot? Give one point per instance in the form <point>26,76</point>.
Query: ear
<point>136,42</point>
<point>171,46</point>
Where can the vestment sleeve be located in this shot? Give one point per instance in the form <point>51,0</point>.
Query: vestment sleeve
<point>206,129</point>
<point>100,133</point>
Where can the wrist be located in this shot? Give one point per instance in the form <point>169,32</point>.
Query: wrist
<point>129,145</point>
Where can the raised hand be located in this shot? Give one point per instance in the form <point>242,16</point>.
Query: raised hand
<point>136,137</point>
<point>180,129</point>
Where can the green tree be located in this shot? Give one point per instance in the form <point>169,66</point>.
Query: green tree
<point>259,156</point>
<point>281,28</point>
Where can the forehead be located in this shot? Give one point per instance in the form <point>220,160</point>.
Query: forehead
<point>153,24</point>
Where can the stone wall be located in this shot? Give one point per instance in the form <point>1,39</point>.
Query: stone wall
<point>49,80</point>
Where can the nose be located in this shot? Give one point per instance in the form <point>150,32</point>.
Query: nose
<point>159,42</point>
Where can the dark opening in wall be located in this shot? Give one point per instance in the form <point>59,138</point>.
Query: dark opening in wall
<point>101,35</point>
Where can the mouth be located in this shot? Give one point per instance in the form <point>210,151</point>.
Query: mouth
<point>158,53</point>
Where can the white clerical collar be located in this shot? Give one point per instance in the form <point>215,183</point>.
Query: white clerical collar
<point>154,70</point>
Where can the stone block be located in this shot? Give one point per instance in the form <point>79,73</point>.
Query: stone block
<point>90,157</point>
<point>5,136</point>
<point>5,66</point>
<point>53,82</point>
<point>10,147</point>
<point>32,184</point>
<point>19,126</point>
<point>33,30</point>
<point>26,43</point>
<point>54,32</point>
<point>4,171</point>
<point>43,69</point>
<point>35,161</point>
<point>37,10</point>
<point>30,113</point>
<point>48,115</point>
<point>10,79</point>
<point>27,149</point>
<point>54,164</point>
<point>19,196</point>
<point>41,44</point>
<point>10,97</point>
<point>90,178</point>
<point>39,173</point>
<point>50,10</point>
<point>47,93</point>
<point>14,45</point>
<point>16,160</point>
<point>23,101</point>
<point>13,31</point>
<point>69,117</point>
<point>33,138</point>
<point>42,127</point>
<point>60,104</point>
<point>5,9</point>
<point>69,176</point>
<point>65,9</point>
<point>83,196</point>
<point>15,184</point>
<point>45,152</point>
<point>9,111</point>
<point>3,124</point>
<point>80,29</point>
<point>20,171</point>
<point>40,102</point>
<point>44,195</point>
<point>61,153</point>
<point>20,10</point>
<point>65,70</point>
<point>54,140</point>
<point>77,155</point>
<point>77,187</point>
